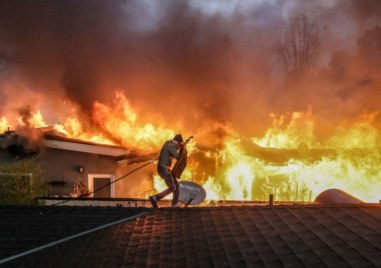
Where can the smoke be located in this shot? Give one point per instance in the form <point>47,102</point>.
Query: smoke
<point>197,64</point>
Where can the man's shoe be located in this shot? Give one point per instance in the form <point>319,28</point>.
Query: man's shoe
<point>153,201</point>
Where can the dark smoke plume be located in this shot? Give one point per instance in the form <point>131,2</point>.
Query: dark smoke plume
<point>195,63</point>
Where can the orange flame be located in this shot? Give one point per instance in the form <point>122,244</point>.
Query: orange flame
<point>354,167</point>
<point>348,160</point>
<point>121,120</point>
<point>3,124</point>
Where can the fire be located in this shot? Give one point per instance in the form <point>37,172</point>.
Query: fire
<point>3,124</point>
<point>361,134</point>
<point>73,128</point>
<point>299,129</point>
<point>114,123</point>
<point>288,161</point>
<point>117,124</point>
<point>36,120</point>
<point>353,168</point>
<point>121,120</point>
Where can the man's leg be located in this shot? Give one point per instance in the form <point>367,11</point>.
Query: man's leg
<point>176,192</point>
<point>169,181</point>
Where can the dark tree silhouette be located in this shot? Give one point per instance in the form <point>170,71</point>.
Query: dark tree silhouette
<point>298,48</point>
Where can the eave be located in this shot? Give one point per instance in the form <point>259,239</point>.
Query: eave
<point>86,148</point>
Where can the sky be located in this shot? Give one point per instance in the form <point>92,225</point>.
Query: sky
<point>190,65</point>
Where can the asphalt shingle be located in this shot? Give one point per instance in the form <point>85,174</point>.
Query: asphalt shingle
<point>277,236</point>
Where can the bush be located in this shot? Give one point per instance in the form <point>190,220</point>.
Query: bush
<point>21,182</point>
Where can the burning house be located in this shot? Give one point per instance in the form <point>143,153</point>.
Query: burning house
<point>78,168</point>
<point>265,120</point>
<point>74,168</point>
<point>283,101</point>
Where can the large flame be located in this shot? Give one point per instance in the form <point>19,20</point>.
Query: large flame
<point>3,124</point>
<point>121,120</point>
<point>115,123</point>
<point>288,161</point>
<point>353,167</point>
<point>281,135</point>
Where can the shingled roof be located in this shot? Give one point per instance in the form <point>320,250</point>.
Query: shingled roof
<point>249,236</point>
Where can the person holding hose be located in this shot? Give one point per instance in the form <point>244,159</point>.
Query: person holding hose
<point>171,149</point>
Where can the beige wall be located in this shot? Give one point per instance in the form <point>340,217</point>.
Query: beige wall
<point>62,165</point>
<point>138,184</point>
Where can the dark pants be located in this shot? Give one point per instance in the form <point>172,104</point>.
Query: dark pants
<point>171,182</point>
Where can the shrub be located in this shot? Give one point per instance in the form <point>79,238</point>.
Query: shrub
<point>21,182</point>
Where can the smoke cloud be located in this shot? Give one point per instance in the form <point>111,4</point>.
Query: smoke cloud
<point>195,64</point>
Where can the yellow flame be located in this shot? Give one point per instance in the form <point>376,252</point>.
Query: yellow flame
<point>348,160</point>
<point>3,124</point>
<point>73,128</point>
<point>361,134</point>
<point>37,120</point>
<point>121,120</point>
<point>282,135</point>
<point>354,167</point>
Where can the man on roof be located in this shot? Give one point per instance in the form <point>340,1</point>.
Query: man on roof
<point>169,151</point>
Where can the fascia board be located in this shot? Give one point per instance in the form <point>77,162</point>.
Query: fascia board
<point>85,148</point>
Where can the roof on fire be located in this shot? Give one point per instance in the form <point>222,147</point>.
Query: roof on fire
<point>56,140</point>
<point>249,236</point>
<point>52,139</point>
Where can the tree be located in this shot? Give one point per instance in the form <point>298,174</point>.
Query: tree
<point>298,48</point>
<point>21,182</point>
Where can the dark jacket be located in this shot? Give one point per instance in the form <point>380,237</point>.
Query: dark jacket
<point>168,151</point>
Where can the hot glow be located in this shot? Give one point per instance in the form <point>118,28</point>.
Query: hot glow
<point>288,161</point>
<point>282,135</point>
<point>120,119</point>
<point>37,120</point>
<point>353,167</point>
<point>116,124</point>
<point>73,128</point>
<point>3,124</point>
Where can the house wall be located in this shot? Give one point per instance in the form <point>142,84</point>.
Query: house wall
<point>63,166</point>
<point>138,184</point>
<point>60,168</point>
